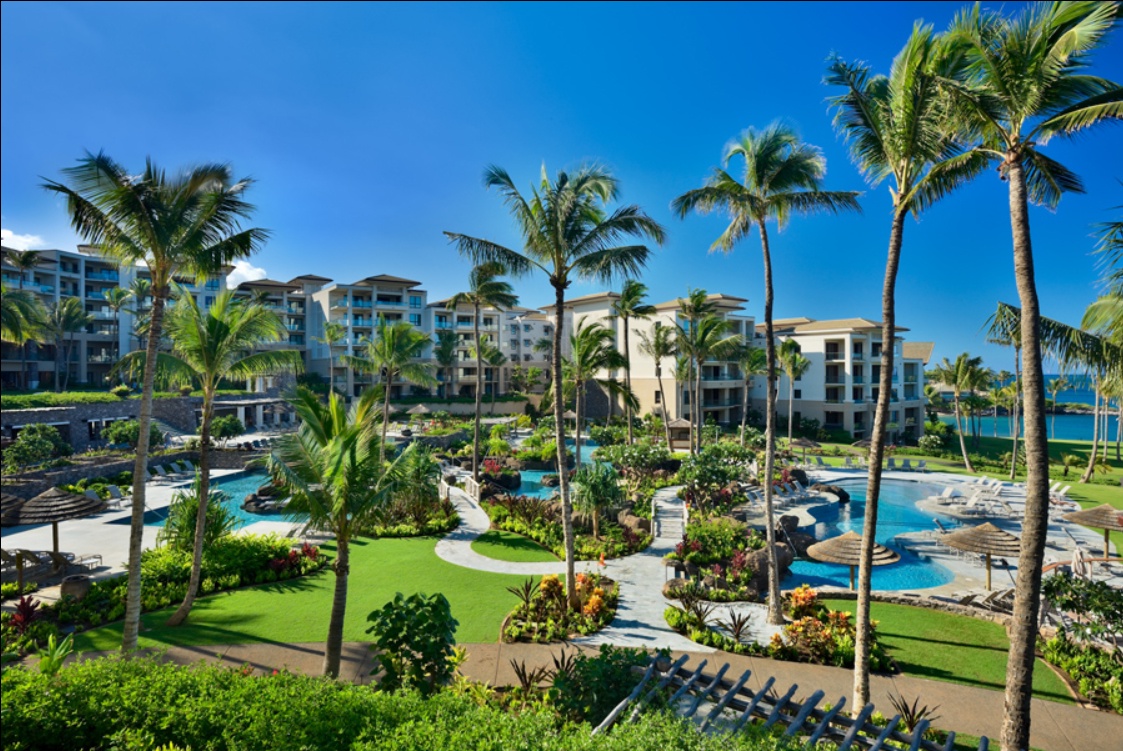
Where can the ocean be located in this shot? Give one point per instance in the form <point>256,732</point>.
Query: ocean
<point>1066,427</point>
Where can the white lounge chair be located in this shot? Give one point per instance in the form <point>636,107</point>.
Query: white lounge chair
<point>906,465</point>
<point>892,463</point>
<point>922,465</point>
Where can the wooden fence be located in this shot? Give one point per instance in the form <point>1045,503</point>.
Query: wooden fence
<point>731,704</point>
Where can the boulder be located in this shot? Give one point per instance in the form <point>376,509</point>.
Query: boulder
<point>757,561</point>
<point>799,476</point>
<point>801,542</point>
<point>843,496</point>
<point>550,481</point>
<point>788,523</point>
<point>506,481</point>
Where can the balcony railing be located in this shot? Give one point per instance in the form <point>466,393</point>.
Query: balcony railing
<point>296,310</point>
<point>715,403</point>
<point>96,294</point>
<point>833,356</point>
<point>391,303</point>
<point>857,380</point>
<point>858,356</point>
<point>833,400</point>
<point>99,359</point>
<point>368,322</point>
<point>910,379</point>
<point>833,426</point>
<point>835,380</point>
<point>105,276</point>
<point>294,327</point>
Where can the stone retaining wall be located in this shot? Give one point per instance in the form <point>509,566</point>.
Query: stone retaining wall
<point>1002,619</point>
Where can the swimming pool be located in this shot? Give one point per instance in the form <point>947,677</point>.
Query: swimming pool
<point>532,478</point>
<point>237,487</point>
<point>897,513</point>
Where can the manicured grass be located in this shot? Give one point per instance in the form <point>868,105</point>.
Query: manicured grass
<point>954,648</point>
<point>298,610</point>
<point>508,546</point>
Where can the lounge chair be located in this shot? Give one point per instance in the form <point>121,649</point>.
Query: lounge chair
<point>91,494</point>
<point>820,464</point>
<point>848,463</point>
<point>891,463</point>
<point>7,560</point>
<point>159,471</point>
<point>922,465</point>
<point>65,561</point>
<point>947,497</point>
<point>906,465</point>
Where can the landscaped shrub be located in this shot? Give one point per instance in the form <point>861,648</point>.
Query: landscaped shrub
<point>1096,674</point>
<point>708,474</point>
<point>54,399</point>
<point>128,432</point>
<point>1078,649</point>
<point>543,613</point>
<point>226,427</point>
<point>179,527</point>
<point>715,540</point>
<point>35,444</point>
<point>607,436</point>
<point>11,590</point>
<point>541,522</point>
<point>121,391</point>
<point>594,684</point>
<point>414,637</point>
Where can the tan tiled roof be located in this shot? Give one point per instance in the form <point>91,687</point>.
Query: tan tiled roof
<point>387,278</point>
<point>918,351</point>
<point>726,302</point>
<point>839,324</point>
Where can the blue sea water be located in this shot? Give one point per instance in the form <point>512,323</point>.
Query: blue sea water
<point>1062,427</point>
<point>897,513</point>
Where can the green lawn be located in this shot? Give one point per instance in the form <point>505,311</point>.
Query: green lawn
<point>954,648</point>
<point>508,546</point>
<point>297,610</point>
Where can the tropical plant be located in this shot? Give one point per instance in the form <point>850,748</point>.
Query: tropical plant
<point>209,346</point>
<point>964,375</point>
<point>117,298</point>
<point>659,345</point>
<point>898,127</point>
<point>782,177</point>
<point>493,357</point>
<point>21,315</point>
<point>181,526</point>
<point>393,353</point>
<point>628,306</point>
<point>444,352</point>
<point>753,361</point>
<point>485,290</point>
<point>182,224</point>
<point>24,262</point>
<point>65,318</point>
<point>333,468</point>
<point>597,487</point>
<point>414,637</point>
<point>1026,84</point>
<point>794,365</point>
<point>567,235</point>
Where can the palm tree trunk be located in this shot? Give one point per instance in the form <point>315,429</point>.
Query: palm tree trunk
<point>563,475</point>
<point>744,410</point>
<point>385,414</point>
<point>578,408</point>
<point>140,472</point>
<point>877,451</point>
<point>1027,594</point>
<point>333,649</point>
<point>1091,469</point>
<point>666,415</point>
<point>479,393</point>
<point>184,609</point>
<point>791,407</point>
<point>1017,407</point>
<point>775,613</point>
<point>958,429</point>
<point>1119,430</point>
<point>628,381</point>
<point>25,377</point>
<point>698,405</point>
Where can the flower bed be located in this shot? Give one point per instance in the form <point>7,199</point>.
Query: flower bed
<point>541,522</point>
<point>1093,672</point>
<point>543,613</point>
<point>816,634</point>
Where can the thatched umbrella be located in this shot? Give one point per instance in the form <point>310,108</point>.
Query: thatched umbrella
<point>804,443</point>
<point>420,409</point>
<point>1105,517</point>
<point>986,539</point>
<point>9,503</point>
<point>865,443</point>
<point>847,550</point>
<point>54,506</point>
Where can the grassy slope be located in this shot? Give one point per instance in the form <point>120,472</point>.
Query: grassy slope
<point>297,611</point>
<point>508,546</point>
<point>954,648</point>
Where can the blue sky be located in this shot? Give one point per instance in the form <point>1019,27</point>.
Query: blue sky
<point>368,127</point>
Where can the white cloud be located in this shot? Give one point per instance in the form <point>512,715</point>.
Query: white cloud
<point>20,242</point>
<point>244,271</point>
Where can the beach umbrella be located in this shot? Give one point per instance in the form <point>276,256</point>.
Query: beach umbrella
<point>865,443</point>
<point>420,409</point>
<point>9,503</point>
<point>54,506</point>
<point>1103,517</point>
<point>804,443</point>
<point>569,414</point>
<point>986,539</point>
<point>847,550</point>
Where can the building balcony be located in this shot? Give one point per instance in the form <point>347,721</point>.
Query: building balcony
<point>910,379</point>
<point>103,331</point>
<point>858,401</point>
<point>391,303</point>
<point>833,426</point>
<point>295,310</point>
<point>833,400</point>
<point>838,380</point>
<point>103,315</point>
<point>857,380</point>
<point>857,356</point>
<point>103,276</point>
<point>720,403</point>
<point>910,422</point>
<point>295,327</point>
<point>339,304</point>
<point>365,322</point>
<point>833,356</point>
<point>100,359</point>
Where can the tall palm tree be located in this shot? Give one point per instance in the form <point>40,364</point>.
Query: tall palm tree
<point>628,306</point>
<point>392,353</point>
<point>567,235</point>
<point>963,375</point>
<point>181,224</point>
<point>701,340</point>
<point>660,345</point>
<point>444,352</point>
<point>1027,84</point>
<point>795,365</point>
<point>696,306</point>
<point>752,361</point>
<point>1056,386</point>
<point>490,355</point>
<point>333,469</point>
<point>898,127</point>
<point>485,290</point>
<point>117,298</point>
<point>65,318</point>
<point>207,347</point>
<point>782,177</point>
<point>334,333</point>
<point>140,290</point>
<point>24,262</point>
<point>21,315</point>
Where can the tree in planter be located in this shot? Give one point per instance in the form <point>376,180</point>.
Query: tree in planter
<point>189,224</point>
<point>207,347</point>
<point>333,468</point>
<point>597,487</point>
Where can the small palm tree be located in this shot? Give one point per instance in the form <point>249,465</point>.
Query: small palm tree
<point>795,365</point>
<point>24,262</point>
<point>444,352</point>
<point>117,298</point>
<point>628,306</point>
<point>392,353</point>
<point>660,345</point>
<point>700,340</point>
<point>207,347</point>
<point>491,356</point>
<point>21,315</point>
<point>752,361</point>
<point>567,235</point>
<point>334,333</point>
<point>485,289</point>
<point>333,469</point>
<point>963,376</point>
<point>64,319</point>
<point>596,487</point>
<point>185,224</point>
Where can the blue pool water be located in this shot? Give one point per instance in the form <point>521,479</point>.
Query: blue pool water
<point>897,513</point>
<point>237,487</point>
<point>532,478</point>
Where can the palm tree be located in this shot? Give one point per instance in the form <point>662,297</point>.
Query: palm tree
<point>485,290</point>
<point>333,469</point>
<point>116,298</point>
<point>24,262</point>
<point>140,290</point>
<point>782,176</point>
<point>209,346</point>
<point>596,487</point>
<point>1056,386</point>
<point>795,365</point>
<point>444,352</point>
<point>1026,84</point>
<point>545,347</point>
<point>21,315</point>
<point>392,353</point>
<point>752,361</point>
<point>630,305</point>
<point>962,376</point>
<point>898,127</point>
<point>189,224</point>
<point>696,306</point>
<point>490,355</point>
<point>700,340</point>
<point>65,318</point>
<point>567,235</point>
<point>659,346</point>
<point>334,333</point>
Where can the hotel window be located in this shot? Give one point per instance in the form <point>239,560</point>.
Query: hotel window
<point>797,394</point>
<point>414,301</point>
<point>415,319</point>
<point>209,301</point>
<point>658,397</point>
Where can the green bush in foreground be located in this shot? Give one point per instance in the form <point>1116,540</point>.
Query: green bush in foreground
<point>143,704</point>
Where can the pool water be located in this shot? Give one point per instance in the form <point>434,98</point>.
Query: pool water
<point>237,487</point>
<point>897,513</point>
<point>532,478</point>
